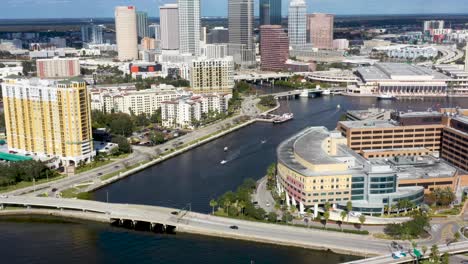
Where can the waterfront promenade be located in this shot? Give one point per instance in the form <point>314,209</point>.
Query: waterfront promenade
<point>196,223</point>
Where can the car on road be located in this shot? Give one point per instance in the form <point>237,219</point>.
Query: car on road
<point>174,213</point>
<point>268,204</point>
<point>116,166</point>
<point>234,227</point>
<point>54,189</point>
<point>99,174</point>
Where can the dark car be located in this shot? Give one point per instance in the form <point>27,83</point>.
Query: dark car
<point>174,213</point>
<point>54,189</point>
<point>99,174</point>
<point>234,227</point>
<point>117,166</point>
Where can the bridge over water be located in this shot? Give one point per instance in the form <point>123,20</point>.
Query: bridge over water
<point>196,223</point>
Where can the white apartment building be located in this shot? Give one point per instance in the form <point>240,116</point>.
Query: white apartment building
<point>408,51</point>
<point>181,112</point>
<point>127,99</point>
<point>214,51</point>
<point>58,68</point>
<point>126,32</point>
<point>212,75</point>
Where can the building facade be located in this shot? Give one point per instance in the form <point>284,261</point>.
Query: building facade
<point>321,30</point>
<point>58,68</point>
<point>455,142</point>
<point>214,51</point>
<point>218,35</point>
<point>169,21</point>
<point>274,48</point>
<point>297,24</point>
<point>183,112</point>
<point>92,34</point>
<point>126,32</point>
<point>127,99</point>
<point>142,24</point>
<point>189,26</point>
<point>212,75</point>
<point>270,12</point>
<point>316,167</point>
<point>154,31</point>
<point>48,118</point>
<point>241,31</point>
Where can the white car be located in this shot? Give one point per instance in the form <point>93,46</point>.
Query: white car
<point>355,214</point>
<point>268,204</point>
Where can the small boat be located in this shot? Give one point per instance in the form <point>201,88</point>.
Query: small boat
<point>283,118</point>
<point>338,106</point>
<point>223,162</point>
<point>264,141</point>
<point>226,149</point>
<point>386,97</point>
<point>326,92</point>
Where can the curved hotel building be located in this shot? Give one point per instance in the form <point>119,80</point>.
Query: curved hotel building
<point>316,166</point>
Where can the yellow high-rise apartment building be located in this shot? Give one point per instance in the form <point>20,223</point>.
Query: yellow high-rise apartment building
<point>49,118</point>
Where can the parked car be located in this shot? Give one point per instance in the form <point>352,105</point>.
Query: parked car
<point>234,227</point>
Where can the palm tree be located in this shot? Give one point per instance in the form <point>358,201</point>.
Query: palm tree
<point>386,209</point>
<point>424,249</point>
<point>362,219</point>
<point>227,204</point>
<point>434,255</point>
<point>393,207</point>
<point>326,216</point>
<point>327,206</point>
<point>241,205</point>
<point>213,204</point>
<point>349,208</point>
<point>343,215</point>
<point>414,244</point>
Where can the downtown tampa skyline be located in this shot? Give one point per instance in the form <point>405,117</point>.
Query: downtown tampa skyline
<point>17,9</point>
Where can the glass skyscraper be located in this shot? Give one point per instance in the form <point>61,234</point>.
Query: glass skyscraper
<point>270,12</point>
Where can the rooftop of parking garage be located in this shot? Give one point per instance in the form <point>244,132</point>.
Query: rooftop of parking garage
<point>368,124</point>
<point>399,71</point>
<point>423,167</point>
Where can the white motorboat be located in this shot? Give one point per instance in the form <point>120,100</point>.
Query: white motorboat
<point>223,162</point>
<point>326,92</point>
<point>386,97</point>
<point>226,149</point>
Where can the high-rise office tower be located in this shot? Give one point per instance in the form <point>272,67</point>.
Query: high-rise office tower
<point>297,24</point>
<point>241,26</point>
<point>142,24</point>
<point>169,21</point>
<point>92,34</point>
<point>270,12</point>
<point>49,118</point>
<point>466,58</point>
<point>189,26</point>
<point>321,30</point>
<point>154,31</point>
<point>126,28</point>
<point>274,48</point>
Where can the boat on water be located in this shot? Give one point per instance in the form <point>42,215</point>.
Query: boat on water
<point>226,149</point>
<point>386,97</point>
<point>326,92</point>
<point>264,141</point>
<point>283,118</point>
<point>338,106</point>
<point>223,162</point>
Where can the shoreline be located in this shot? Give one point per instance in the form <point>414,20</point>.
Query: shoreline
<point>153,162</point>
<point>185,229</point>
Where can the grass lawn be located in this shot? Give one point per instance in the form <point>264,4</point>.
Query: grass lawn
<point>75,193</point>
<point>264,108</point>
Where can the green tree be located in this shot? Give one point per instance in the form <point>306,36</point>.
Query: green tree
<point>343,215</point>
<point>2,121</point>
<point>434,255</point>
<point>157,138</point>
<point>456,236</point>
<point>287,217</point>
<point>121,124</point>
<point>327,206</point>
<point>213,204</point>
<point>28,67</point>
<point>362,219</point>
<point>124,146</point>
<point>349,208</point>
<point>326,216</point>
<point>424,249</point>
<point>445,259</point>
<point>156,117</point>
<point>272,217</point>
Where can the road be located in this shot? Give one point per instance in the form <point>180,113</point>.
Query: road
<point>263,196</point>
<point>212,225</point>
<point>140,155</point>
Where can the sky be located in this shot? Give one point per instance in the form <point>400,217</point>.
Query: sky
<point>104,8</point>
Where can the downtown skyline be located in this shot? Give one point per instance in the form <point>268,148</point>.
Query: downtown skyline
<point>15,9</point>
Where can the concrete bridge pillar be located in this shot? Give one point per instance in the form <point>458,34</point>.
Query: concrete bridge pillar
<point>315,210</point>
<point>134,223</point>
<point>152,225</point>
<point>121,222</point>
